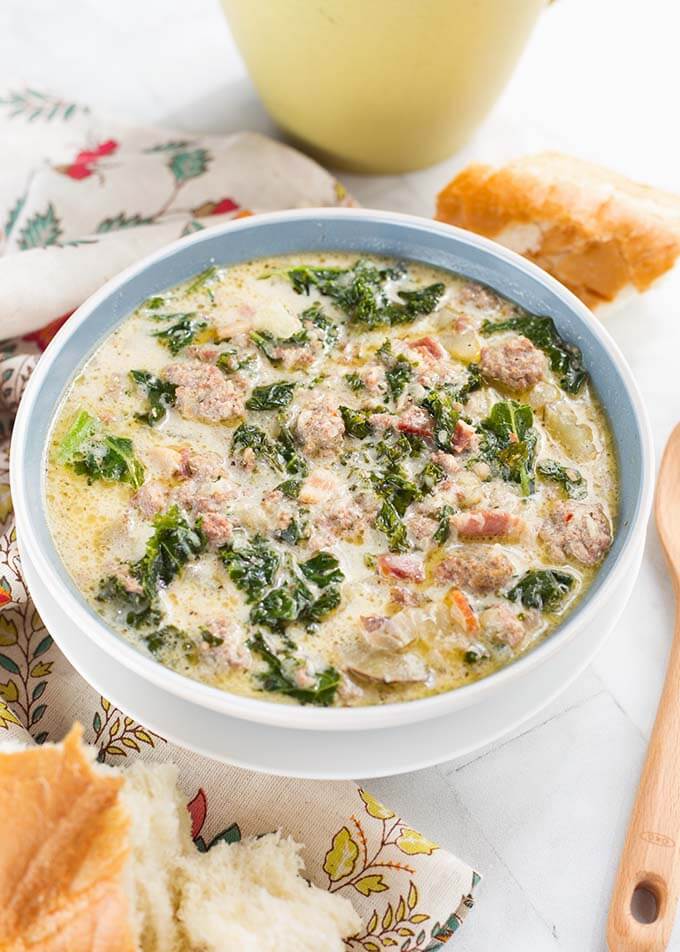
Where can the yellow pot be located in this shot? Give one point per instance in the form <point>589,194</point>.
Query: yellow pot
<point>380,85</point>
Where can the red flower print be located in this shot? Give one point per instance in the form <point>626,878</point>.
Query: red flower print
<point>85,162</point>
<point>221,207</point>
<point>43,336</point>
<point>198,808</point>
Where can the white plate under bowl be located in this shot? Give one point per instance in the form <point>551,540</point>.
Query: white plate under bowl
<point>362,232</point>
<point>318,754</point>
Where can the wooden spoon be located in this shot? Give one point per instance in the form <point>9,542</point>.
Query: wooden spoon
<point>651,855</point>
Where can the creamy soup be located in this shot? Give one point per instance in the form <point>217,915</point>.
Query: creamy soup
<point>333,480</point>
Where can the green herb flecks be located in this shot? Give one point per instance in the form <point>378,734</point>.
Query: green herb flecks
<point>91,452</point>
<point>279,676</point>
<point>565,359</point>
<point>160,393</point>
<point>509,443</point>
<point>275,396</point>
<point>544,589</point>
<point>570,479</point>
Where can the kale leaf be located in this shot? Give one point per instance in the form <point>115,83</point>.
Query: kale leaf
<point>203,281</point>
<point>182,333</point>
<point>251,567</point>
<point>231,361</point>
<point>323,569</point>
<point>290,488</point>
<point>509,443</point>
<point>398,375</point>
<point>544,589</point>
<point>279,679</point>
<point>168,639</point>
<point>293,601</point>
<point>419,301</point>
<point>354,382</point>
<point>565,359</point>
<point>270,345</point>
<point>174,543</point>
<point>271,397</point>
<point>296,530</point>
<point>281,453</point>
<point>430,476</point>
<point>440,403</point>
<point>160,393</point>
<point>571,480</point>
<point>395,485</point>
<point>389,522</point>
<point>360,292</point>
<point>329,331</point>
<point>91,452</point>
<point>397,446</point>
<point>474,382</point>
<point>139,608</point>
<point>443,529</point>
<point>356,422</point>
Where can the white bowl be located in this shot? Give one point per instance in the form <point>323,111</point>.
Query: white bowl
<point>361,231</point>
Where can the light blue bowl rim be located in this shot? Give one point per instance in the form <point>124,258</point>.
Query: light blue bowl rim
<point>362,232</point>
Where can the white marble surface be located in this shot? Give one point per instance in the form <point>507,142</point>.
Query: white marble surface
<point>542,813</point>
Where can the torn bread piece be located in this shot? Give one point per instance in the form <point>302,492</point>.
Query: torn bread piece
<point>97,859</point>
<point>596,231</point>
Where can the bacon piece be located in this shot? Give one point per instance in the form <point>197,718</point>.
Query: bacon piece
<point>415,420</point>
<point>401,566</point>
<point>482,523</point>
<point>464,437</point>
<point>429,346</point>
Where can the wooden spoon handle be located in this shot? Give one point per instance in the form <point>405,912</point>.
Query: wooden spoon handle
<point>651,855</point>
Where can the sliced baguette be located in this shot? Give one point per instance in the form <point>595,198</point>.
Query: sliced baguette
<point>95,859</point>
<point>596,231</point>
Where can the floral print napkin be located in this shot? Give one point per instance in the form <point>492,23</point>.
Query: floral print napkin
<point>80,199</point>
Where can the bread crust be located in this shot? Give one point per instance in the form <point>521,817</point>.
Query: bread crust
<point>64,848</point>
<point>594,230</point>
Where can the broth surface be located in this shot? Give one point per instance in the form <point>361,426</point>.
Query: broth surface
<point>334,480</point>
